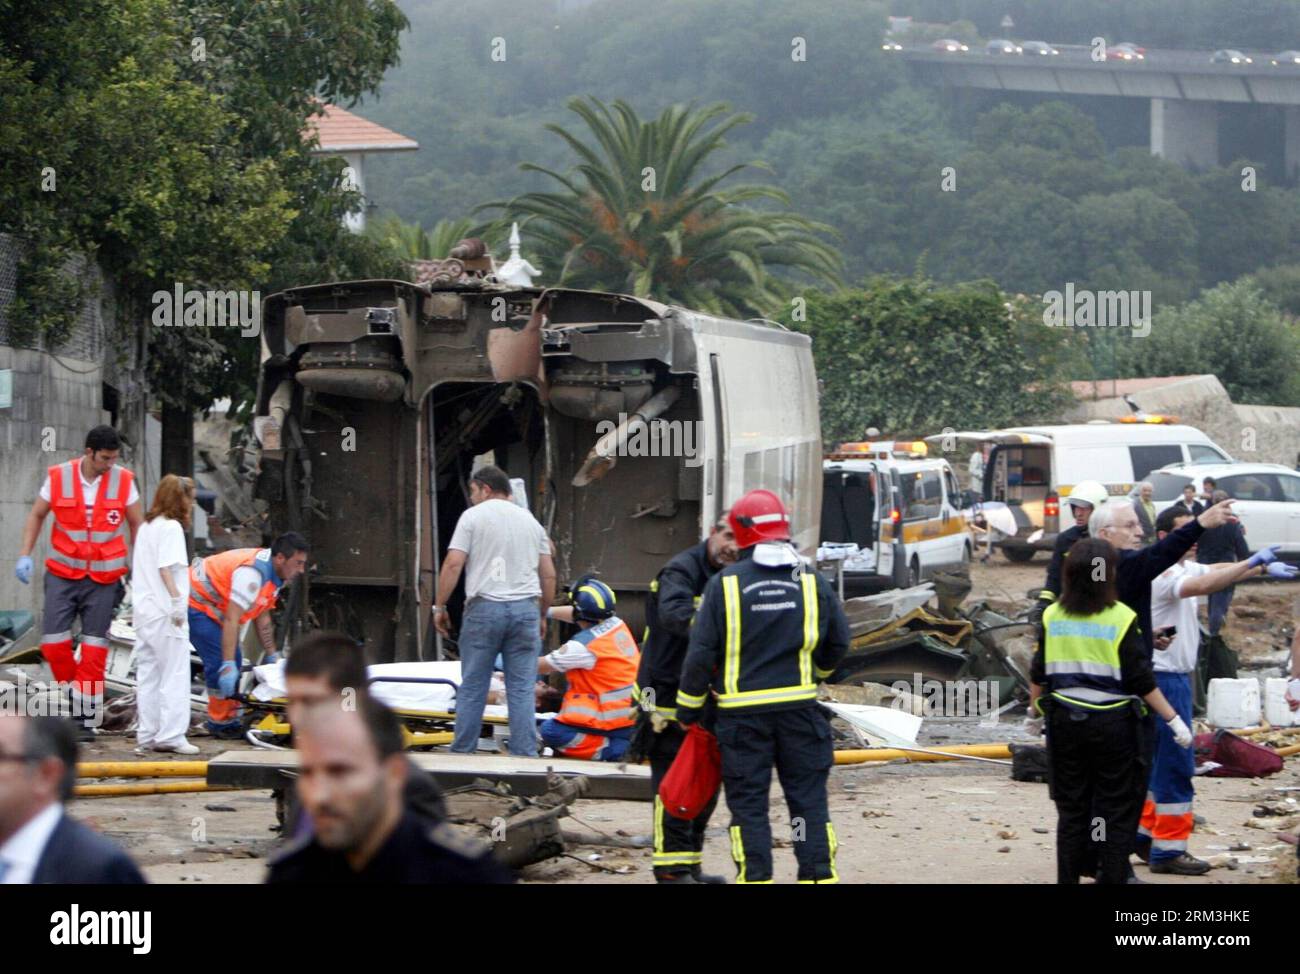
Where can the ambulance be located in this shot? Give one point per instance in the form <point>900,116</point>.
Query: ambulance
<point>899,506</point>
<point>1031,469</point>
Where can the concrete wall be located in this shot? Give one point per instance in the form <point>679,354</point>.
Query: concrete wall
<point>59,394</point>
<point>1249,433</point>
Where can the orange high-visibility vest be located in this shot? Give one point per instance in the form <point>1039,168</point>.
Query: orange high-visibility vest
<point>210,582</point>
<point>97,549</point>
<point>601,697</point>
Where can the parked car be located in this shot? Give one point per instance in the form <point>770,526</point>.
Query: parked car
<point>1267,498</point>
<point>1002,47</point>
<point>1037,47</point>
<point>1229,56</point>
<point>1124,51</point>
<point>947,44</point>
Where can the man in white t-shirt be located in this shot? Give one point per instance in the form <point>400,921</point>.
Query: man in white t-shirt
<point>93,500</point>
<point>1167,816</point>
<point>509,583</point>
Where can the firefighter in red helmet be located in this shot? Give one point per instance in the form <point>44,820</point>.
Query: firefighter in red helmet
<point>767,631</point>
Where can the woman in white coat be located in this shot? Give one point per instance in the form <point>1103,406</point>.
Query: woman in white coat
<point>160,588</point>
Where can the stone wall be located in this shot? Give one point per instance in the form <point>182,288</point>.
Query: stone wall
<point>1248,433</point>
<point>59,394</point>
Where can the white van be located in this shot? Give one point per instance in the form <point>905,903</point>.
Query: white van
<point>902,509</point>
<point>1033,468</point>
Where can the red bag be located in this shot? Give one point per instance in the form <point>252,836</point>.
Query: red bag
<point>1238,757</point>
<point>695,775</point>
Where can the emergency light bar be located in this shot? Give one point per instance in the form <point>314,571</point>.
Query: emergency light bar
<point>1152,418</point>
<point>885,449</point>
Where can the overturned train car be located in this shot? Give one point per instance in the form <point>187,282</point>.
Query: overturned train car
<point>630,424</point>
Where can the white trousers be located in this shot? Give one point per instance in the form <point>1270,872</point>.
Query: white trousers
<point>162,669</point>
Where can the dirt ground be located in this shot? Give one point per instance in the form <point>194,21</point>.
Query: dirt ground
<point>958,822</point>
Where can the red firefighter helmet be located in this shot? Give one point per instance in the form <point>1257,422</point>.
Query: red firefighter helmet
<point>759,516</point>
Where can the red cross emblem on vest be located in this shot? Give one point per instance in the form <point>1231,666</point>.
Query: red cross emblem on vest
<point>114,517</point>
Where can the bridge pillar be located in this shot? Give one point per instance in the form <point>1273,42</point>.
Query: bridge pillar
<point>1185,132</point>
<point>1291,140</point>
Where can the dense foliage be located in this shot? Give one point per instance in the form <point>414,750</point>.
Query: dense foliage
<point>911,357</point>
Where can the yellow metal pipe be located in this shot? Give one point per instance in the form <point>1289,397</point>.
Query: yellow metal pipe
<point>147,788</point>
<point>414,738</point>
<point>142,769</point>
<point>951,753</point>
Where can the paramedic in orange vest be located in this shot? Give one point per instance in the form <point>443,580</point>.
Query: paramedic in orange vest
<point>600,663</point>
<point>93,499</point>
<point>226,591</point>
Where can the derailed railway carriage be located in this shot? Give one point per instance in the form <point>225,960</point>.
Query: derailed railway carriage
<point>376,397</point>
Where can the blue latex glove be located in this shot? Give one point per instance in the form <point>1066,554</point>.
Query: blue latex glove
<point>1264,556</point>
<point>24,569</point>
<point>1280,569</point>
<point>270,658</point>
<point>226,678</point>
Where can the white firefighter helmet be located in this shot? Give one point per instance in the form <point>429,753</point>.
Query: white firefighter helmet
<point>1088,492</point>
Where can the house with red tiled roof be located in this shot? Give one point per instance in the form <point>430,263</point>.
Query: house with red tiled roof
<point>342,133</point>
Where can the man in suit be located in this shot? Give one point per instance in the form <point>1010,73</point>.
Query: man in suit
<point>1145,509</point>
<point>38,842</point>
<point>351,775</point>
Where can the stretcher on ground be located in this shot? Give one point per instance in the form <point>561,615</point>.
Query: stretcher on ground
<point>422,695</point>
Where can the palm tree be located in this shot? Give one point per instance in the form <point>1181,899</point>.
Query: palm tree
<point>638,215</point>
<point>412,242</point>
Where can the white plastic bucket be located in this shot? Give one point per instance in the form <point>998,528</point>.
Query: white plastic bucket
<point>1276,711</point>
<point>1233,703</point>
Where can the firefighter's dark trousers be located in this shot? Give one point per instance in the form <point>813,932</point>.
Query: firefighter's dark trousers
<point>679,842</point>
<point>798,744</point>
<point>1098,772</point>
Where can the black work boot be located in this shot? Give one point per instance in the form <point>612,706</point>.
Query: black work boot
<point>1184,865</point>
<point>711,879</point>
<point>677,879</point>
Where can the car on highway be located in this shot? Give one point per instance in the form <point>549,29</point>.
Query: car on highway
<point>1002,47</point>
<point>1229,56</point>
<point>1288,58</point>
<point>1038,47</point>
<point>891,46</point>
<point>1125,51</point>
<point>1267,497</point>
<point>949,45</point>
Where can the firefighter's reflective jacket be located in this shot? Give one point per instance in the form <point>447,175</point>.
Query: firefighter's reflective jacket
<point>674,595</point>
<point>766,633</point>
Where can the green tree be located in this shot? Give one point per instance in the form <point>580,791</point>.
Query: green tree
<point>911,357</point>
<point>1231,331</point>
<point>164,138</point>
<point>638,214</point>
<point>412,242</point>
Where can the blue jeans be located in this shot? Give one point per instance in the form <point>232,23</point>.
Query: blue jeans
<point>512,629</point>
<point>1218,608</point>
